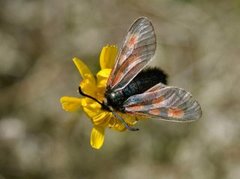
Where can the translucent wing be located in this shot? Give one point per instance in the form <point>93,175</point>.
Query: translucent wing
<point>137,50</point>
<point>165,102</point>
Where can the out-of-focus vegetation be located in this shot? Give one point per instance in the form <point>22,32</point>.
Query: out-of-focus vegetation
<point>198,46</point>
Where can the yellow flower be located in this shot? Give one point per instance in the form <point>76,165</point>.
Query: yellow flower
<point>95,87</point>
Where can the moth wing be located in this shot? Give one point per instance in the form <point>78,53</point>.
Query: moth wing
<point>137,50</point>
<point>165,102</point>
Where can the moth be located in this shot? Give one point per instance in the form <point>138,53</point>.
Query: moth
<point>135,89</point>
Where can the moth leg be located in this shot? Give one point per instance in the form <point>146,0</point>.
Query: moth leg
<point>124,122</point>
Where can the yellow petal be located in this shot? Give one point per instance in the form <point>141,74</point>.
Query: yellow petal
<point>88,87</point>
<point>116,124</point>
<point>102,118</point>
<point>84,70</point>
<point>100,92</point>
<point>108,56</point>
<point>130,119</point>
<point>90,112</point>
<point>103,74</point>
<point>102,77</point>
<point>71,104</point>
<point>97,137</point>
<point>91,108</point>
<point>119,127</point>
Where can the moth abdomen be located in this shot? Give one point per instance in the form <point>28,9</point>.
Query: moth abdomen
<point>144,81</point>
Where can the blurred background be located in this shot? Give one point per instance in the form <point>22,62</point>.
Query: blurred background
<point>199,48</point>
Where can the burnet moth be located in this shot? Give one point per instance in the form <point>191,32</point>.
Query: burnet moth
<point>136,90</point>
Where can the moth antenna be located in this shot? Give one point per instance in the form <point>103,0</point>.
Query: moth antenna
<point>82,93</point>
<point>124,122</point>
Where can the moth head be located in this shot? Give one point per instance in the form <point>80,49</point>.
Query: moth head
<point>112,95</point>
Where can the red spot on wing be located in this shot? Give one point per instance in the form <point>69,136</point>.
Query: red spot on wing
<point>124,68</point>
<point>132,40</point>
<point>158,100</point>
<point>117,78</point>
<point>155,112</point>
<point>136,108</point>
<point>175,113</point>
